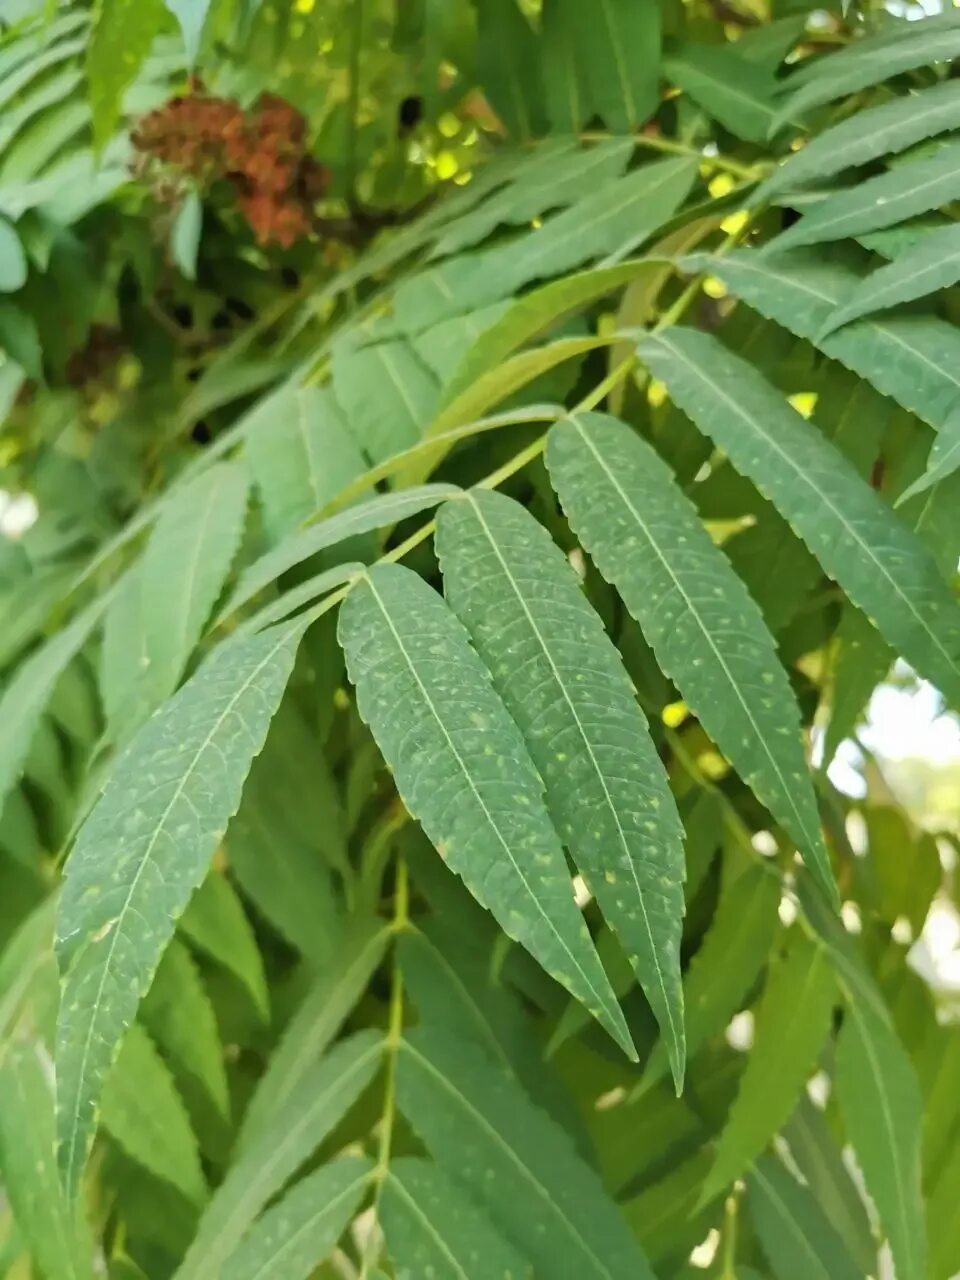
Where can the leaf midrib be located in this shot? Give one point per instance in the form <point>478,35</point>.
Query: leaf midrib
<point>290,1240</point>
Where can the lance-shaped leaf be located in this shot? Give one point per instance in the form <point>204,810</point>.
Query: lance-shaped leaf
<point>880,1102</point>
<point>943,461</point>
<point>433,1229</point>
<point>324,1096</point>
<point>479,1125</point>
<point>564,683</point>
<point>911,358</point>
<point>932,264</point>
<point>791,1025</point>
<point>708,635</point>
<point>216,924</point>
<point>866,135</point>
<point>376,513</point>
<point>297,1233</point>
<point>726,86</point>
<point>797,1236</point>
<point>618,46</point>
<point>859,541</point>
<point>908,190</point>
<point>144,848</point>
<point>464,772</point>
<point>869,62</point>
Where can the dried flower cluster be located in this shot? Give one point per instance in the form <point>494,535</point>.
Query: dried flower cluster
<point>261,152</point>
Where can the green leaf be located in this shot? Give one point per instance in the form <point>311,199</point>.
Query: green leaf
<point>143,1112</point>
<point>56,1238</point>
<point>863,660</point>
<point>508,67</point>
<point>618,44</point>
<point>913,359</point>
<point>727,87</point>
<point>376,513</point>
<point>433,1229</point>
<point>725,967</point>
<point>323,1097</point>
<point>792,1023</point>
<point>191,14</point>
<point>301,454</point>
<point>708,635</point>
<point>298,1232</point>
<point>462,769</point>
<point>564,86</point>
<point>216,924</point>
<point>187,226</point>
<point>933,265</point>
<point>858,540</point>
<point>314,1024</point>
<point>564,683</point>
<point>867,135</point>
<point>912,188</point>
<point>179,1016</point>
<point>144,848</point>
<point>497,1144</point>
<point>795,1233</point>
<point>387,394</point>
<point>943,461</point>
<point>292,601</point>
<point>881,1106</point>
<point>13,259</point>
<point>122,35</point>
<point>31,687</point>
<point>868,62</point>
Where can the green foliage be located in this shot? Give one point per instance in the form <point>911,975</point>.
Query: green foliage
<point>460,549</point>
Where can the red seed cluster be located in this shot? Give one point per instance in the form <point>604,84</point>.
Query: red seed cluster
<point>261,152</point>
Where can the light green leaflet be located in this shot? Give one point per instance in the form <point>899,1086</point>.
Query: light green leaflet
<point>185,235</point>
<point>28,692</point>
<point>179,1016</point>
<point>13,259</point>
<point>878,131</point>
<point>301,454</point>
<point>303,593</point>
<point>726,965</point>
<point>463,771</point>
<point>727,87</point>
<point>709,637</point>
<point>297,1233</point>
<point>191,15</point>
<point>314,1024</point>
<point>564,683</point>
<point>880,1102</point>
<point>933,264</point>
<point>795,1233</point>
<point>143,1112</point>
<point>387,394</point>
<point>618,50</point>
<point>943,461</point>
<point>324,1096</point>
<point>181,574</point>
<point>859,541</point>
<point>55,1236</point>
<point>792,1023</point>
<point>910,189</point>
<point>216,923</point>
<point>869,62</point>
<point>433,1229</point>
<point>145,847</point>
<point>913,359</point>
<point>375,513</point>
<point>480,1127</point>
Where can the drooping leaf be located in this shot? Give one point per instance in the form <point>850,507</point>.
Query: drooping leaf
<point>564,85</point>
<point>912,188</point>
<point>13,259</point>
<point>298,1232</point>
<point>179,1016</point>
<point>564,684</point>
<point>376,513</point>
<point>191,14</point>
<point>943,461</point>
<point>140,854</point>
<point>433,1229</point>
<point>507,62</point>
<point>185,233</point>
<point>618,44</point>
<point>709,637</point>
<point>726,86</point>
<point>867,135</point>
<point>481,1128</point>
<point>323,1096</point>
<point>857,538</point>
<point>797,1237</point>
<point>143,1112</point>
<point>791,1026</point>
<point>412,665</point>
<point>215,922</point>
<point>386,392</point>
<point>880,1102</point>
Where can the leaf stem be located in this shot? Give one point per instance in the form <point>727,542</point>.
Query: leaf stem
<point>667,146</point>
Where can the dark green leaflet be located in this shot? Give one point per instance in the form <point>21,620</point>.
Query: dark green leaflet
<point>795,1233</point>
